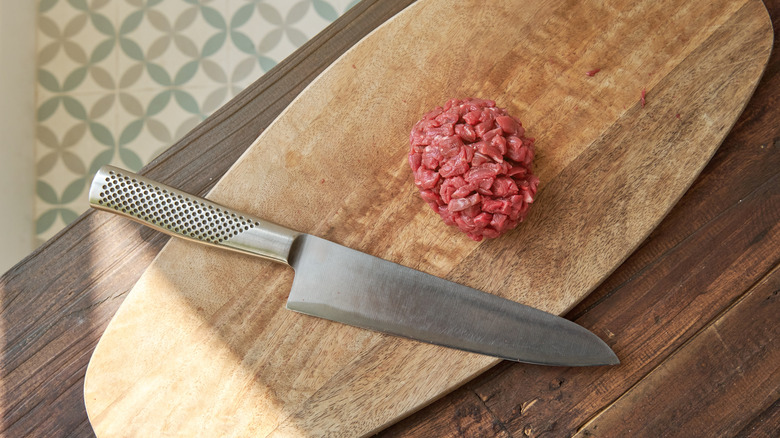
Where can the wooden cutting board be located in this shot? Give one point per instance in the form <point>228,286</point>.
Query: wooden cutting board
<point>203,345</point>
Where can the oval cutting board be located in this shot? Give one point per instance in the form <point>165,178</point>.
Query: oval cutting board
<point>203,345</point>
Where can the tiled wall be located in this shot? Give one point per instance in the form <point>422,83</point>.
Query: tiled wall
<point>119,81</point>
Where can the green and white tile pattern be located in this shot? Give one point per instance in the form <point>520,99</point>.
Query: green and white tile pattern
<point>119,81</point>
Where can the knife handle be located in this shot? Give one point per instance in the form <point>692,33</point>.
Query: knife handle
<point>180,214</point>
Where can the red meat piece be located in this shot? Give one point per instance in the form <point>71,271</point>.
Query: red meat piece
<point>473,165</point>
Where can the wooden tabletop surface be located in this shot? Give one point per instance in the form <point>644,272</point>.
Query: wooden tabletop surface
<point>697,304</point>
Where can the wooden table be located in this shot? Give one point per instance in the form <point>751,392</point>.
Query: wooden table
<point>697,304</point>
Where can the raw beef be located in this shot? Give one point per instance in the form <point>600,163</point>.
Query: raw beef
<point>473,165</point>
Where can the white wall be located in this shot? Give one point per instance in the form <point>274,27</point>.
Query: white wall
<point>17,129</point>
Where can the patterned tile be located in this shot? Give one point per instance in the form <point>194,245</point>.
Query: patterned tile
<point>119,81</point>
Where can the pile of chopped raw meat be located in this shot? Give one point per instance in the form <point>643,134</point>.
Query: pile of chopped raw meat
<point>472,165</point>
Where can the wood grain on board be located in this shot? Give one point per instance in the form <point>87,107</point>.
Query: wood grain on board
<point>718,242</point>
<point>57,302</point>
<point>203,341</point>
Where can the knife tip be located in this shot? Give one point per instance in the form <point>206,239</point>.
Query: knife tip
<point>612,359</point>
<point>602,353</point>
<point>607,356</point>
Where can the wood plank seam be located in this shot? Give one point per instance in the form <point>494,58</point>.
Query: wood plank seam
<point>236,119</point>
<point>758,420</point>
<point>714,319</point>
<point>660,257</point>
<point>672,355</point>
<point>713,36</point>
<point>148,242</point>
<point>772,181</point>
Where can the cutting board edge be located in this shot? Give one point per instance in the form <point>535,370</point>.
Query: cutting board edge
<point>258,139</point>
<point>574,304</point>
<point>694,177</point>
<point>303,92</point>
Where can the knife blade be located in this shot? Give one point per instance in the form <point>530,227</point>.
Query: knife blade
<point>341,284</point>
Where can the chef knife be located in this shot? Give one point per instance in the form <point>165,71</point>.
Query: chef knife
<point>341,284</point>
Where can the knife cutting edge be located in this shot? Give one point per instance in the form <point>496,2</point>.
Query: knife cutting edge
<point>337,283</point>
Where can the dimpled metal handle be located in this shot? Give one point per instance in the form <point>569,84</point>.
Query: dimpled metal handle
<point>180,214</point>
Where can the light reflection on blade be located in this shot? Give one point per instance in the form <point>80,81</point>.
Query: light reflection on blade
<point>340,284</point>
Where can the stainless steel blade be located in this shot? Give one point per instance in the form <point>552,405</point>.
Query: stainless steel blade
<point>344,285</point>
<point>337,283</point>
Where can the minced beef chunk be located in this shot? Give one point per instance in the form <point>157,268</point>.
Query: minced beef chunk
<point>473,165</point>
